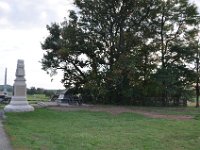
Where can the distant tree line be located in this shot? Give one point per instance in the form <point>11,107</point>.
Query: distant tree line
<point>8,87</point>
<point>33,90</point>
<point>139,52</point>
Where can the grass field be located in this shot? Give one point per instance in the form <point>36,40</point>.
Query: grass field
<point>37,98</point>
<point>46,129</point>
<point>2,106</point>
<point>190,110</point>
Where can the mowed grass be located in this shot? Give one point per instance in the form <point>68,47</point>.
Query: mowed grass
<point>46,129</point>
<point>37,98</point>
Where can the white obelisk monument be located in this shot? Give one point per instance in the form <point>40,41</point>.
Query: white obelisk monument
<point>5,83</point>
<point>19,101</point>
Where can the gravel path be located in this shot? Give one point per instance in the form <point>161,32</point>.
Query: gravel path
<point>4,141</point>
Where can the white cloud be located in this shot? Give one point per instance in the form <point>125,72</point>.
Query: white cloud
<point>22,30</point>
<point>4,7</point>
<point>25,44</point>
<point>4,22</point>
<point>43,15</point>
<point>37,13</point>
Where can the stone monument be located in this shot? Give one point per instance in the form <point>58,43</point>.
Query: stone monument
<point>5,83</point>
<point>19,101</point>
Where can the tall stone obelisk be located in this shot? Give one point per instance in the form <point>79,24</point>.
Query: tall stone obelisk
<point>5,83</point>
<point>19,101</point>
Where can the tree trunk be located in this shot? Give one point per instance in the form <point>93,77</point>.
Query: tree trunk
<point>197,95</point>
<point>197,84</point>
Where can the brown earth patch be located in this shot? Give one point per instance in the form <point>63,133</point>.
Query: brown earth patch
<point>115,110</point>
<point>164,116</point>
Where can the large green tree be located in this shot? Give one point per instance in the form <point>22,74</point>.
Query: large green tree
<point>174,29</point>
<point>114,50</point>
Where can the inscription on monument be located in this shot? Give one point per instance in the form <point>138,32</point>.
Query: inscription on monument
<point>20,90</point>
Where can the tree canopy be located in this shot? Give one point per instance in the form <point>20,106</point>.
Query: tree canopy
<point>125,51</point>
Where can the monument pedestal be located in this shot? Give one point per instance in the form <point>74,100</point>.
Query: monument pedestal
<point>18,108</point>
<point>19,102</point>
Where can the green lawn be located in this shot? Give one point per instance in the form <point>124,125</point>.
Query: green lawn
<point>46,129</point>
<point>37,98</point>
<point>2,106</point>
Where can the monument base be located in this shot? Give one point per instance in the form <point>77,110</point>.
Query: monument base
<point>18,108</point>
<point>18,104</point>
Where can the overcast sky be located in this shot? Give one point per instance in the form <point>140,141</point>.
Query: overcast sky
<point>22,29</point>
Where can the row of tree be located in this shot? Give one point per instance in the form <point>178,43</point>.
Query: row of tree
<point>48,93</point>
<point>141,52</point>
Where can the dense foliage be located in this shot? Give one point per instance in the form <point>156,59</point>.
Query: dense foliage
<point>126,51</point>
